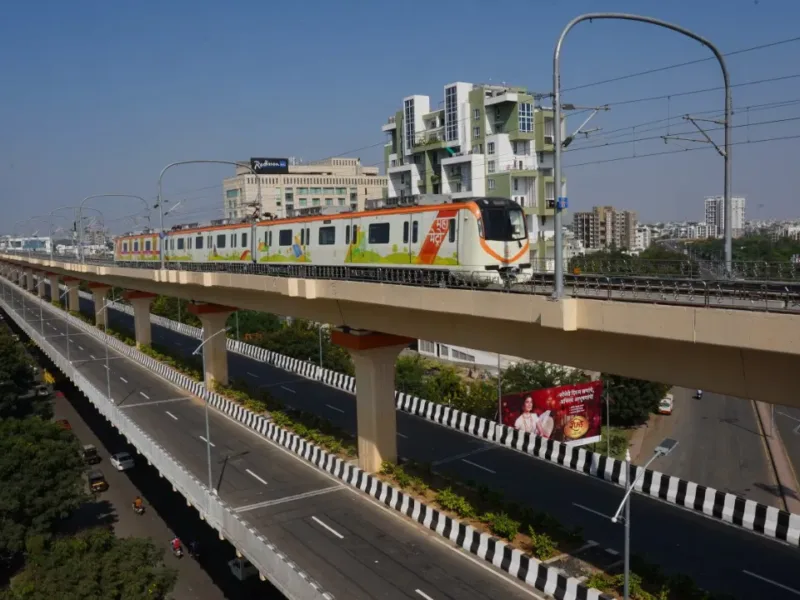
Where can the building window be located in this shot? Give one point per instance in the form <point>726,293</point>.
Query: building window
<point>379,233</point>
<point>327,236</point>
<point>525,117</point>
<point>490,148</point>
<point>491,184</point>
<point>516,184</point>
<point>329,190</point>
<point>316,190</point>
<point>548,131</point>
<point>302,191</point>
<point>491,166</point>
<point>425,346</point>
<point>285,237</point>
<point>328,201</point>
<point>476,114</point>
<point>408,112</point>
<point>232,194</point>
<point>451,114</point>
<point>476,132</point>
<point>289,197</point>
<point>303,201</point>
<point>315,202</point>
<point>221,240</point>
<point>341,201</point>
<point>549,191</point>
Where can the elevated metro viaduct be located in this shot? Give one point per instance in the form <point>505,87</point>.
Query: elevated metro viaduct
<point>747,354</point>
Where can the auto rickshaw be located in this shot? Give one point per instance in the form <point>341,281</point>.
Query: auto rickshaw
<point>97,481</point>
<point>90,455</point>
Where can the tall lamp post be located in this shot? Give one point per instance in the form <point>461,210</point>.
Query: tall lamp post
<point>208,429</point>
<point>558,290</point>
<point>80,214</point>
<point>106,303</point>
<point>664,448</point>
<point>160,201</point>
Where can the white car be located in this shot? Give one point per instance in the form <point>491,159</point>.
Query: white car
<point>665,405</point>
<point>122,461</point>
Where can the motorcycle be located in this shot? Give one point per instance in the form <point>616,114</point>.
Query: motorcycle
<point>139,510</point>
<point>699,394</point>
<point>176,550</point>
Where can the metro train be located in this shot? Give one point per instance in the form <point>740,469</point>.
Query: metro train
<point>456,238</point>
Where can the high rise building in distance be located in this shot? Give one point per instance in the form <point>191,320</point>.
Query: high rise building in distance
<point>715,215</point>
<point>605,227</point>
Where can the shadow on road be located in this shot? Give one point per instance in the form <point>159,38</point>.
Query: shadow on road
<point>92,513</point>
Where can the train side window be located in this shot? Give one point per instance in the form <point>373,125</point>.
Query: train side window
<point>270,238</point>
<point>379,233</point>
<point>415,232</point>
<point>180,243</point>
<point>125,246</point>
<point>189,243</point>
<point>327,235</point>
<point>285,237</point>
<point>451,230</point>
<point>198,242</point>
<point>405,232</point>
<point>233,240</point>
<point>308,235</point>
<point>244,240</point>
<point>147,244</point>
<point>355,234</point>
<point>347,235</point>
<point>221,239</point>
<point>210,241</point>
<point>135,246</point>
<point>302,237</point>
<point>266,238</point>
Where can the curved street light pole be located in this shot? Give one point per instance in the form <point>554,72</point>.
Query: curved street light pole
<point>558,291</point>
<point>80,214</point>
<point>160,204</point>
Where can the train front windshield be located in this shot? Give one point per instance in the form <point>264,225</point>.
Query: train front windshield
<point>503,223</point>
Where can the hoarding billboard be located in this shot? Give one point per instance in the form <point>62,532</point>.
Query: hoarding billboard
<point>269,166</point>
<point>568,413</point>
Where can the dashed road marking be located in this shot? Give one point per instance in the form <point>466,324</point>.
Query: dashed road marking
<point>329,528</point>
<point>334,408</point>
<point>256,476</point>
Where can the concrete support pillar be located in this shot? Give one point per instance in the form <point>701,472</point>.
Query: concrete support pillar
<point>141,302</point>
<point>41,290</point>
<point>55,292</point>
<point>99,295</point>
<point>73,299</point>
<point>374,355</point>
<point>215,351</point>
<point>29,280</point>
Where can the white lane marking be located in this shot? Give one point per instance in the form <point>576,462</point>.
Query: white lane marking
<point>477,466</point>
<point>331,529</point>
<point>591,510</point>
<point>423,594</point>
<point>303,496</point>
<point>402,435</point>
<point>171,415</point>
<point>775,583</point>
<point>334,408</point>
<point>283,387</point>
<point>145,396</point>
<point>484,448</point>
<point>252,374</point>
<point>92,357</point>
<point>256,476</point>
<point>123,380</point>
<point>212,444</point>
<point>80,347</point>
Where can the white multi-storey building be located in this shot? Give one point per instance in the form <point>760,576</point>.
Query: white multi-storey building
<point>643,238</point>
<point>715,215</point>
<point>486,140</point>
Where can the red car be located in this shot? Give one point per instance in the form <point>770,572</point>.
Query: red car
<point>64,424</point>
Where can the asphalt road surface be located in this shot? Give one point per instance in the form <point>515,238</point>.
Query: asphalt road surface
<point>717,556</point>
<point>720,444</point>
<point>353,547</point>
<point>166,513</point>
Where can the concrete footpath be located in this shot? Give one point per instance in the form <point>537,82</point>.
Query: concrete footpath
<point>787,478</point>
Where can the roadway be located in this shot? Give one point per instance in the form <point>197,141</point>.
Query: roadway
<point>353,547</point>
<point>720,445</point>
<point>717,556</point>
<point>166,514</point>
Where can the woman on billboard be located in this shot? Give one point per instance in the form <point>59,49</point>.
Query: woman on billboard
<point>530,422</point>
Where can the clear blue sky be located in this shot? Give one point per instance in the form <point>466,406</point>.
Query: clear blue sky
<point>97,96</point>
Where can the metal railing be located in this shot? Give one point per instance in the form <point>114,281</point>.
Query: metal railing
<point>689,289</point>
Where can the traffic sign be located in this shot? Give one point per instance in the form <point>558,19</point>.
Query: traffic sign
<point>563,203</point>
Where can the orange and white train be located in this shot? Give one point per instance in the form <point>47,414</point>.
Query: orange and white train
<point>460,238</point>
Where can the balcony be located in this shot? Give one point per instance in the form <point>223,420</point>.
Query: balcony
<point>430,140</point>
<point>390,124</point>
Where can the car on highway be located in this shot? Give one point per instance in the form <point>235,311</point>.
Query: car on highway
<point>90,455</point>
<point>665,405</point>
<point>64,424</point>
<point>122,461</point>
<point>97,481</point>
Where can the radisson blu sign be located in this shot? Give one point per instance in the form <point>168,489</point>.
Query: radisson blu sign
<point>269,166</point>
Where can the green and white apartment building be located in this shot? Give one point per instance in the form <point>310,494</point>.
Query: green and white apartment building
<point>483,140</point>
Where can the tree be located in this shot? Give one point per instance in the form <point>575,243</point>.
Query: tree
<point>527,376</point>
<point>41,473</point>
<point>16,379</point>
<point>252,322</point>
<point>93,565</point>
<point>444,386</point>
<point>632,400</point>
<point>409,374</point>
<point>168,307</point>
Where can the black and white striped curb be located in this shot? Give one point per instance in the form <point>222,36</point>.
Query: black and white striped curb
<point>93,394</point>
<point>726,507</point>
<point>519,565</point>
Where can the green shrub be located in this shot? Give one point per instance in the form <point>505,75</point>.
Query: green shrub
<point>542,545</point>
<point>503,525</point>
<point>387,468</point>
<point>402,478</point>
